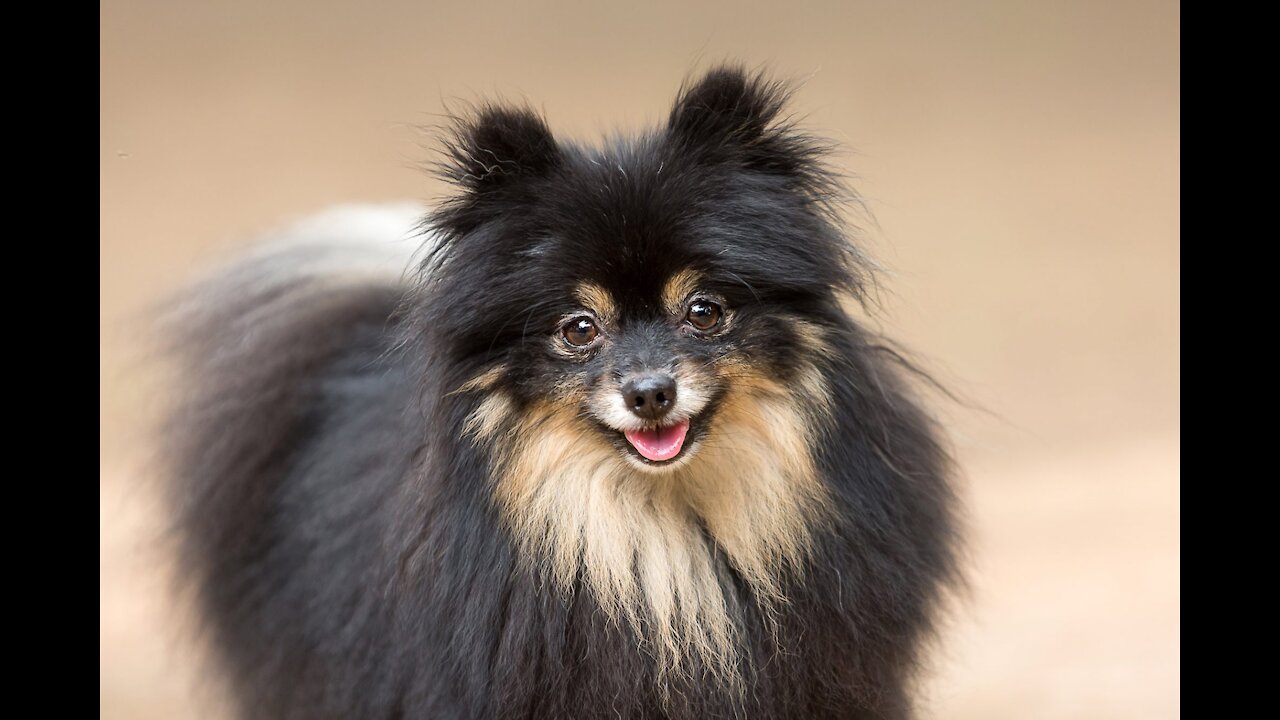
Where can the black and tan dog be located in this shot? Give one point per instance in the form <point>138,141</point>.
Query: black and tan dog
<point>612,448</point>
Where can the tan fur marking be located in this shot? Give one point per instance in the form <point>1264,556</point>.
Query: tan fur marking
<point>484,381</point>
<point>678,289</point>
<point>811,337</point>
<point>809,378</point>
<point>488,417</point>
<point>572,502</point>
<point>598,300</point>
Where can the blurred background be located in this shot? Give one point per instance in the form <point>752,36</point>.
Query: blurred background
<point>1021,161</point>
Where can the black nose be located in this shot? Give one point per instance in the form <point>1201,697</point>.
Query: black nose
<point>650,396</point>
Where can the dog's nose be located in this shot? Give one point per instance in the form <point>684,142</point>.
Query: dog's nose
<point>650,396</point>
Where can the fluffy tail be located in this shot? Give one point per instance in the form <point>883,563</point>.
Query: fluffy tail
<point>255,344</point>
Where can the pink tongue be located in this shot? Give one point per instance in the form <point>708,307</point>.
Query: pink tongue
<point>661,444</point>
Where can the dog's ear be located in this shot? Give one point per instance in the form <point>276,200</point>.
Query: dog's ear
<point>731,114</point>
<point>727,104</point>
<point>496,146</point>
<point>492,154</point>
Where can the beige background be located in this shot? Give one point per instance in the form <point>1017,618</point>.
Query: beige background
<point>1021,160</point>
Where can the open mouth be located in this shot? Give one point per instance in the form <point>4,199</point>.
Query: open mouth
<point>660,444</point>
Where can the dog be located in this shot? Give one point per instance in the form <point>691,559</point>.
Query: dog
<point>612,444</point>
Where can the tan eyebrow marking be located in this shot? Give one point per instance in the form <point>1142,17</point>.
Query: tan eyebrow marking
<point>597,299</point>
<point>678,288</point>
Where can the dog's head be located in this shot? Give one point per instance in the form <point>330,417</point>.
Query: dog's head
<point>643,331</point>
<point>637,287</point>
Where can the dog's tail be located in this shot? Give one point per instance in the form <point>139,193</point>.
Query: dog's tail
<point>255,343</point>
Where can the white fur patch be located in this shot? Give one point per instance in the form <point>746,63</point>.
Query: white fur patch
<point>648,543</point>
<point>347,240</point>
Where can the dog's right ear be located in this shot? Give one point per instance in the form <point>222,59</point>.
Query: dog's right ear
<point>496,146</point>
<point>489,154</point>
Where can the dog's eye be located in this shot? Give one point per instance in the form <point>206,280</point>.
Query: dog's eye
<point>580,331</point>
<point>703,314</point>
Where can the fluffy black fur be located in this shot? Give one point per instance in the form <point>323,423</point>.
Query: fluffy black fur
<point>340,529</point>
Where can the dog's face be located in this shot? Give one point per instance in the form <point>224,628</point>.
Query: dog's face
<point>635,287</point>
<point>641,363</point>
<point>638,305</point>
<point>643,330</point>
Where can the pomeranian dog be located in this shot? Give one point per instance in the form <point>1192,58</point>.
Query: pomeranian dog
<point>611,445</point>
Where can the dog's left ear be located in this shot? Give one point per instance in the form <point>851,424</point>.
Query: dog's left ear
<point>731,114</point>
